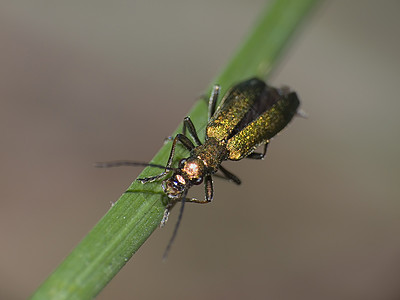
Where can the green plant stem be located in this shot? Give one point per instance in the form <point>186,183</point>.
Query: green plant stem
<point>138,212</point>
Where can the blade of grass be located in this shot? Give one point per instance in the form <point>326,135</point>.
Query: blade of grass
<point>138,212</point>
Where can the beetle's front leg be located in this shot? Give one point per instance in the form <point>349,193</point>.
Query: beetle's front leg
<point>179,138</point>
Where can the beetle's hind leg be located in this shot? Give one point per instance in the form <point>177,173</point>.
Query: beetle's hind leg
<point>229,176</point>
<point>257,155</point>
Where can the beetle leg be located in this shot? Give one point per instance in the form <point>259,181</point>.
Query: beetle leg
<point>209,189</point>
<point>187,123</point>
<point>212,103</point>
<point>228,175</point>
<point>198,201</point>
<point>165,217</point>
<point>256,155</point>
<point>171,204</point>
<point>167,211</point>
<point>185,142</point>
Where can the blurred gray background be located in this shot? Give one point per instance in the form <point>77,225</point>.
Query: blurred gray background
<point>86,81</point>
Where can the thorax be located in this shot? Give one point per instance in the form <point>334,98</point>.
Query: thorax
<point>211,153</point>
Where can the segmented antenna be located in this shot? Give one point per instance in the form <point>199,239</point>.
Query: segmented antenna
<point>178,223</point>
<point>129,163</point>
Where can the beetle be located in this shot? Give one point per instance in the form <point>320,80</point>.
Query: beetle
<point>249,115</point>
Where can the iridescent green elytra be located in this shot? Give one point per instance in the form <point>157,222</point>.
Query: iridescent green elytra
<point>249,115</point>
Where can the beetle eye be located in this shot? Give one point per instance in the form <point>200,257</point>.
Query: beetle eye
<point>182,163</point>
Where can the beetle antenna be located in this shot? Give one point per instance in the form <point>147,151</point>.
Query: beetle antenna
<point>119,163</point>
<point>178,223</point>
